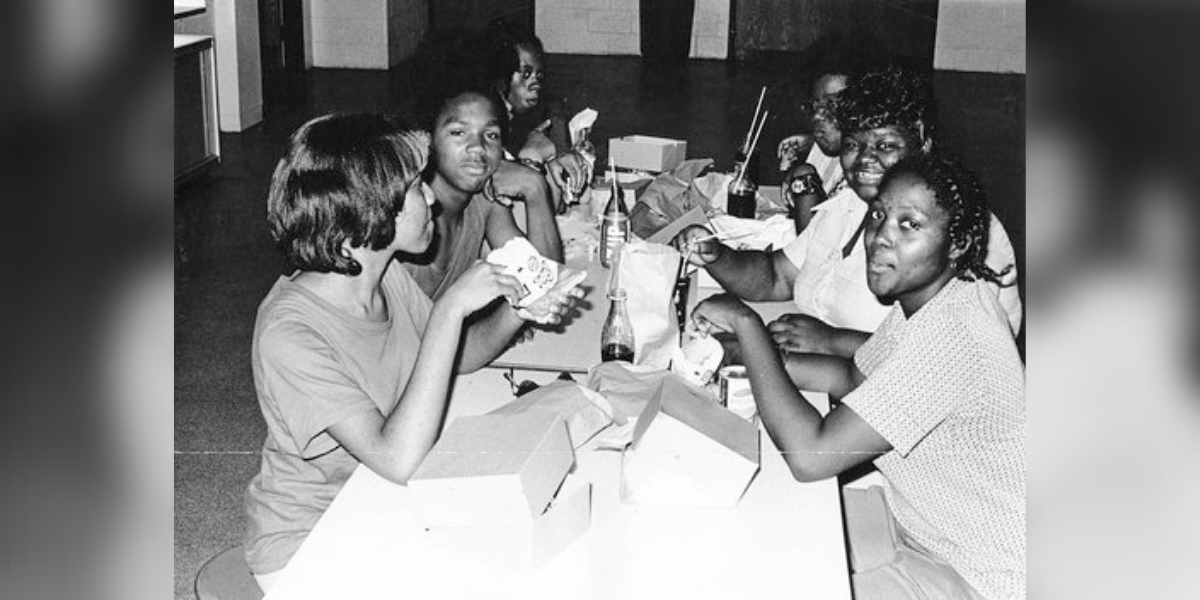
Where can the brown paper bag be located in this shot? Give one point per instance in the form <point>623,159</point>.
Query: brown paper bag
<point>648,272</point>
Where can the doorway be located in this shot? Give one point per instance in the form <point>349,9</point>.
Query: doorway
<point>281,37</point>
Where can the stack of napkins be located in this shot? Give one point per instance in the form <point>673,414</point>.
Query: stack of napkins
<point>494,487</point>
<point>688,450</point>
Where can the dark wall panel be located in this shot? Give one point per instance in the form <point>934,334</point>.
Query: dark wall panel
<point>906,28</point>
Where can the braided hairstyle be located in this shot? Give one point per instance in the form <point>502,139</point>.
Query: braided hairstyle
<point>891,96</point>
<point>958,192</point>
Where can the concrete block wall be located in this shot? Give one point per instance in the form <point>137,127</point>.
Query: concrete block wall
<point>612,27</point>
<point>350,34</point>
<point>980,35</point>
<point>364,34</point>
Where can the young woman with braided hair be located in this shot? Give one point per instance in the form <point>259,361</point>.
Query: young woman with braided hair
<point>935,398</point>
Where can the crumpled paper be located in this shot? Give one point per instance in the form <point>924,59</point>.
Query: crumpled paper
<point>627,387</point>
<point>698,360</point>
<point>669,196</point>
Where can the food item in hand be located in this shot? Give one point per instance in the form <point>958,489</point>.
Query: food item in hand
<point>520,259</point>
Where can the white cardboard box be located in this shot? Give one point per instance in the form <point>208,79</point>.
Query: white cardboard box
<point>523,545</point>
<point>688,450</point>
<point>647,153</point>
<point>493,469</point>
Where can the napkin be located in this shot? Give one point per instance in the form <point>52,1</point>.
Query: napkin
<point>580,125</point>
<point>697,361</point>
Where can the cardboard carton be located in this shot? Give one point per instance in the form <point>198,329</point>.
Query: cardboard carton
<point>523,545</point>
<point>647,153</point>
<point>688,450</point>
<point>494,469</point>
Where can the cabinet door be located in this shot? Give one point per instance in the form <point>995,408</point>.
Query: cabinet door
<point>191,146</point>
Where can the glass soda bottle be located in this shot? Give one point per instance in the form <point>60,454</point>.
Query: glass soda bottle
<point>616,340</point>
<point>614,224</point>
<point>742,201</point>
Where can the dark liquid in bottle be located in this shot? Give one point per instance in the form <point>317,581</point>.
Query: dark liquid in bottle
<point>616,352</point>
<point>741,205</point>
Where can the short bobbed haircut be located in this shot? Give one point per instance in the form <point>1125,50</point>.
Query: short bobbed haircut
<point>889,96</point>
<point>957,191</point>
<point>342,180</point>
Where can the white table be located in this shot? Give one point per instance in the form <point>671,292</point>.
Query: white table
<point>784,539</point>
<point>573,346</point>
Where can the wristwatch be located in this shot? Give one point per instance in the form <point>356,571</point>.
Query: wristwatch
<point>538,166</point>
<point>803,185</point>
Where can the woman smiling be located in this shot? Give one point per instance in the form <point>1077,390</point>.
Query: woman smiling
<point>935,398</point>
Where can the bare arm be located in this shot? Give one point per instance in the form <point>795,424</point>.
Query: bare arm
<point>751,275</point>
<point>754,275</point>
<point>813,446</point>
<point>521,183</point>
<point>803,333</point>
<point>395,445</point>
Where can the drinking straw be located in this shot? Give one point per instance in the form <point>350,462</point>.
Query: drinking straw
<point>754,120</point>
<point>753,145</point>
<point>614,277</point>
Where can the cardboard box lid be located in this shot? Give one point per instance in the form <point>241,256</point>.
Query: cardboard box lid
<point>688,450</point>
<point>695,408</point>
<point>494,468</point>
<point>650,140</point>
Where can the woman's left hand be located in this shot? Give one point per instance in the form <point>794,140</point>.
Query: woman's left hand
<point>722,312</point>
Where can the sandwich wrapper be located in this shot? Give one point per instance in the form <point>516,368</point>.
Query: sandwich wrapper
<point>536,273</point>
<point>698,360</point>
<point>688,450</point>
<point>492,487</point>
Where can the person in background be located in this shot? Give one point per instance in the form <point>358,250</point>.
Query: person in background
<point>935,398</point>
<point>886,115</point>
<point>513,63</point>
<point>823,147</point>
<point>811,162</point>
<point>352,361</point>
<point>475,187</point>
<point>807,184</point>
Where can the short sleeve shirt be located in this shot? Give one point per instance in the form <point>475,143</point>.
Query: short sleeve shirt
<point>833,288</point>
<point>435,279</point>
<point>946,388</point>
<point>315,365</point>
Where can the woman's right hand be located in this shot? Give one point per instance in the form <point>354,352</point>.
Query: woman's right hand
<point>479,286</point>
<point>793,149</point>
<point>705,248</point>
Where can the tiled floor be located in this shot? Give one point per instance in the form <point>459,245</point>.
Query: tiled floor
<point>225,261</point>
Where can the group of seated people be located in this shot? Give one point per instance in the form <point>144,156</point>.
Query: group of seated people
<point>904,282</point>
<point>906,290</point>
